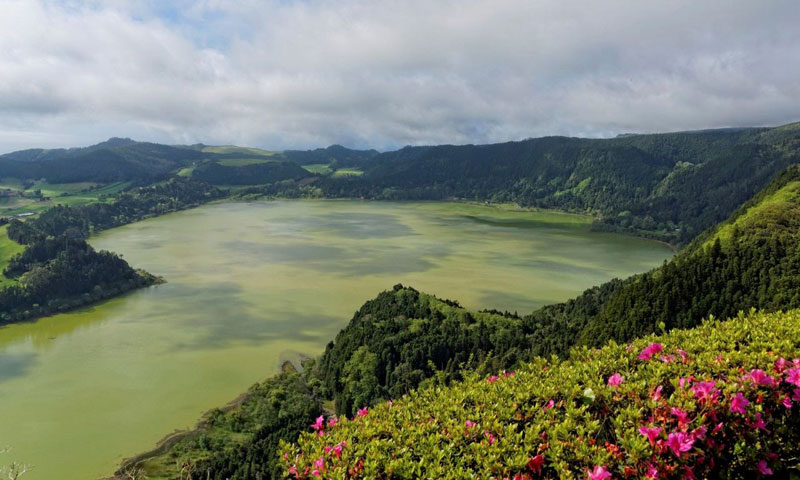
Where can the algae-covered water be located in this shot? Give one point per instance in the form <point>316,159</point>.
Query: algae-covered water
<point>252,284</point>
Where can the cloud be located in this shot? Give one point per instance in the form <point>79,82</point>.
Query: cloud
<point>306,73</point>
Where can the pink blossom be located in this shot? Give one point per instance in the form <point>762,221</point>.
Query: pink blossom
<point>683,354</point>
<point>739,403</point>
<point>489,437</point>
<point>492,379</point>
<point>469,424</point>
<point>615,379</point>
<point>780,365</point>
<point>508,374</point>
<point>699,433</point>
<point>668,358</point>
<point>548,406</point>
<point>719,358</point>
<point>787,402</point>
<point>685,381</point>
<point>651,433</point>
<point>758,377</point>
<point>650,350</point>
<point>319,423</point>
<point>652,471</point>
<point>717,428</point>
<point>705,392</point>
<point>763,469</point>
<point>333,421</point>
<point>796,394</point>
<point>793,376</point>
<point>599,473</point>
<point>362,412</point>
<point>328,449</point>
<point>337,450</point>
<point>315,472</point>
<point>759,423</point>
<point>679,443</point>
<point>390,403</point>
<point>656,395</point>
<point>536,463</point>
<point>683,417</point>
<point>293,470</point>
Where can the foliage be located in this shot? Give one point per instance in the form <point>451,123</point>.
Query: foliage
<point>250,174</point>
<point>242,442</point>
<point>718,401</point>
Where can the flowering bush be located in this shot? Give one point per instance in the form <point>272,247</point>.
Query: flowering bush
<point>721,399</point>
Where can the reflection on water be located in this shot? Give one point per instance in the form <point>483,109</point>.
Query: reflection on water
<point>251,285</point>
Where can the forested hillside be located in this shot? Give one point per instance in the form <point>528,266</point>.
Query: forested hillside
<point>670,186</point>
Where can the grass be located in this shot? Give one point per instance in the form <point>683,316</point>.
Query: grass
<point>8,248</point>
<point>59,193</point>
<point>348,172</point>
<point>186,172</point>
<point>761,212</point>
<point>235,149</point>
<point>320,168</point>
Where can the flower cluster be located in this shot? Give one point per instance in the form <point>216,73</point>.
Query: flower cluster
<point>722,397</point>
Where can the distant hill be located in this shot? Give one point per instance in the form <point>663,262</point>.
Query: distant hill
<point>669,186</point>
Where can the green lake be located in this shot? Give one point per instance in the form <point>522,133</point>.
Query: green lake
<point>252,284</point>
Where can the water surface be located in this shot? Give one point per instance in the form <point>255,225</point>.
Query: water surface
<point>252,284</point>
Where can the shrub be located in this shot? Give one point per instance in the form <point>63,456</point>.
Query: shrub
<point>721,400</point>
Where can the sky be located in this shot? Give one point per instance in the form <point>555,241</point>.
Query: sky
<point>281,74</point>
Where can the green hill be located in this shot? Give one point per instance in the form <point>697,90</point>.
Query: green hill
<point>719,401</point>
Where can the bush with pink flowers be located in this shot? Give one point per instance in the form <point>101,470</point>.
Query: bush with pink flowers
<point>721,400</point>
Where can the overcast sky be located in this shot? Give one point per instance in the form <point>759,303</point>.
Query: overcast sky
<point>383,74</point>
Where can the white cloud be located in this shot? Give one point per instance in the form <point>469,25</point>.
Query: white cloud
<point>281,74</point>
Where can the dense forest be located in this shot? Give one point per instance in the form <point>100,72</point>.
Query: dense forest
<point>403,339</point>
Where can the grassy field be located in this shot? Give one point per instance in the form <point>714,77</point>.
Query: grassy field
<point>321,168</point>
<point>58,193</point>
<point>8,248</point>
<point>348,172</point>
<point>235,149</point>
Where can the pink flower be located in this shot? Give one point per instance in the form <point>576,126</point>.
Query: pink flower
<point>699,433</point>
<point>319,423</point>
<point>796,394</point>
<point>739,403</point>
<point>489,437</point>
<point>492,379</point>
<point>337,450</point>
<point>683,417</point>
<point>683,354</point>
<point>599,473</point>
<point>758,377</point>
<point>793,376</point>
<point>548,406</point>
<point>536,463</point>
<point>362,412</point>
<point>315,472</point>
<point>650,433</point>
<point>780,365</point>
<point>508,374</point>
<point>763,469</point>
<point>652,471</point>
<point>787,402</point>
<point>390,403</point>
<point>667,358</point>
<point>615,379</point>
<point>679,443</point>
<point>759,423</point>
<point>650,350</point>
<point>685,381</point>
<point>333,421</point>
<point>656,395</point>
<point>719,358</point>
<point>705,392</point>
<point>293,470</point>
<point>328,449</point>
<point>469,424</point>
